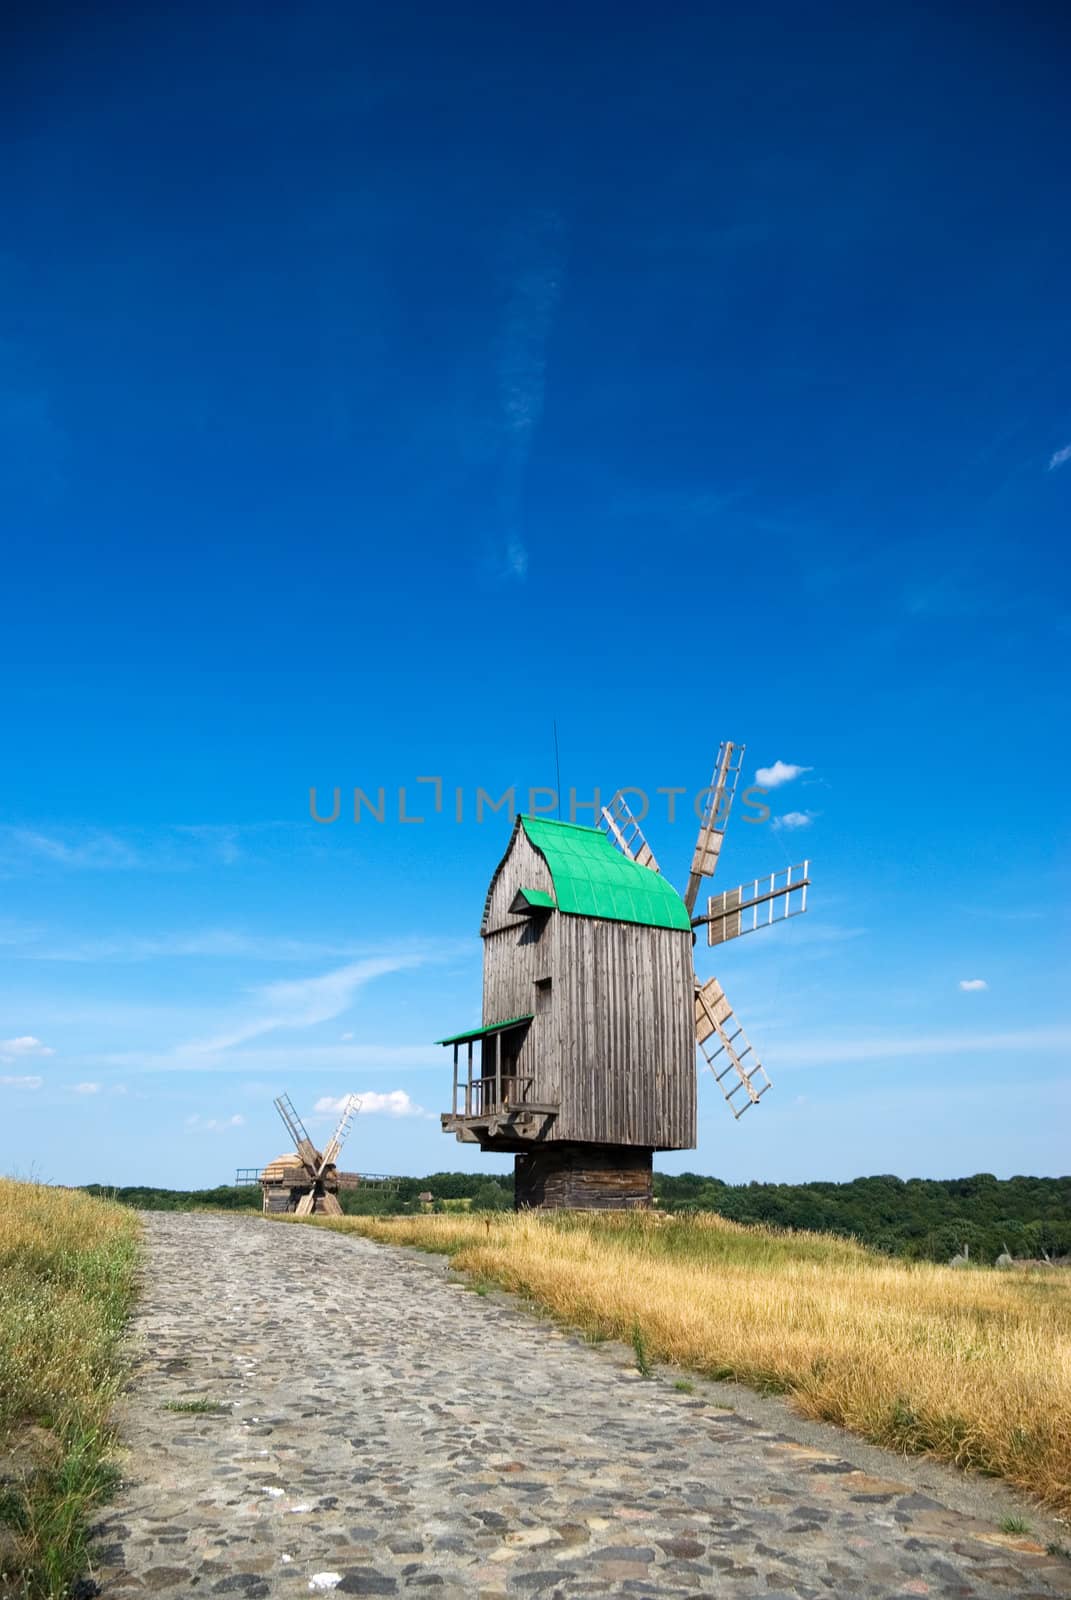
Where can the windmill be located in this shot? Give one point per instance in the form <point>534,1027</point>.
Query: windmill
<point>308,1181</point>
<point>592,1008</point>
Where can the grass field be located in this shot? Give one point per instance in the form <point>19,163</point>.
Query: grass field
<point>66,1282</point>
<point>972,1367</point>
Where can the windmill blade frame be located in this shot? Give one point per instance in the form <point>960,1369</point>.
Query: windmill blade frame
<point>758,904</point>
<point>727,1050</point>
<point>350,1107</point>
<point>304,1146</point>
<point>619,821</point>
<point>715,819</point>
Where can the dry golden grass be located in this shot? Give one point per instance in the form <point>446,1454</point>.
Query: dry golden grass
<point>66,1281</point>
<point>972,1367</point>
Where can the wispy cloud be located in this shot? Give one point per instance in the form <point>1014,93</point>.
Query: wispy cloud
<point>535,264</point>
<point>794,819</point>
<point>198,1124</point>
<point>90,850</point>
<point>26,1045</point>
<point>170,847</point>
<point>392,1103</point>
<point>304,1002</point>
<point>893,1047</point>
<point>27,1082</point>
<point>85,1088</point>
<point>781,772</point>
<point>1058,457</point>
<point>220,841</point>
<point>210,943</point>
<point>970,985</point>
<point>276,1062</point>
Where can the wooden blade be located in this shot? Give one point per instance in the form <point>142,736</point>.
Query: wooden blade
<point>350,1108</point>
<point>758,904</point>
<point>715,817</point>
<point>296,1129</point>
<point>625,831</point>
<point>727,1051</point>
<point>305,1205</point>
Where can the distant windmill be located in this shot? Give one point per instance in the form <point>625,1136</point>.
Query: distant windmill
<point>308,1181</point>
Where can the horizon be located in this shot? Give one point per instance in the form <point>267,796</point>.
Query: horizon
<point>422,412</point>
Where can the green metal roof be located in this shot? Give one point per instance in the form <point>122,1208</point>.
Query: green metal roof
<point>481,1033</point>
<point>539,898</point>
<point>593,879</point>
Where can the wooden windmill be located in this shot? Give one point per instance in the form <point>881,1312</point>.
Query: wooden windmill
<point>592,1010</point>
<point>306,1180</point>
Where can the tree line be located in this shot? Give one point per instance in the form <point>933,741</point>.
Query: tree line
<point>923,1219</point>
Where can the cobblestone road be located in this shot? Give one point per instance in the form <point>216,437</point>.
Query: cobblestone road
<point>386,1431</point>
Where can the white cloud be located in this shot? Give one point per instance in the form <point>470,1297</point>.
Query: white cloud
<point>27,1045</point>
<point>394,1103</point>
<point>794,819</point>
<point>971,984</point>
<point>21,1083</point>
<point>197,1124</point>
<point>86,1088</point>
<point>1059,457</point>
<point>781,772</point>
<point>303,1002</point>
<point>345,1037</point>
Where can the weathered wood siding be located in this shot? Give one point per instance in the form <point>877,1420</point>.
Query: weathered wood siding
<point>623,998</point>
<point>522,868</point>
<point>613,1036</point>
<point>518,952</point>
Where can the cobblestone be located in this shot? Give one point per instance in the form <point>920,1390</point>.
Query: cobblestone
<point>386,1432</point>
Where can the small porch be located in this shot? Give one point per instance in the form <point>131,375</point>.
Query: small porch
<point>493,1099</point>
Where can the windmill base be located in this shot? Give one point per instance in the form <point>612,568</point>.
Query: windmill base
<point>583,1177</point>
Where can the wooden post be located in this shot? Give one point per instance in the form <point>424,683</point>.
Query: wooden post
<point>498,1072</point>
<point>468,1085</point>
<point>455,1080</point>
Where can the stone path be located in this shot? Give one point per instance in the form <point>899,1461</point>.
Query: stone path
<point>388,1432</point>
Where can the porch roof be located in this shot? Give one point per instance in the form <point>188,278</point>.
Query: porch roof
<point>491,1027</point>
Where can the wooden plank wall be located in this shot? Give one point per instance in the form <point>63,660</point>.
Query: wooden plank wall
<point>624,998</point>
<point>517,953</point>
<point>613,1038</point>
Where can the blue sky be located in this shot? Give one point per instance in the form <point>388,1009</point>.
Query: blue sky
<point>379,386</point>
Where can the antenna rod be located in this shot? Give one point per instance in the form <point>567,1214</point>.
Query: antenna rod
<point>557,769</point>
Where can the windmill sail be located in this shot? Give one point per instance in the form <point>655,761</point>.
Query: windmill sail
<point>727,1051</point>
<point>715,816</point>
<point>625,831</point>
<point>758,904</point>
<point>296,1129</point>
<point>350,1107</point>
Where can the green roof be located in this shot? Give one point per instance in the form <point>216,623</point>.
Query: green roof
<point>481,1033</point>
<point>537,898</point>
<point>593,879</point>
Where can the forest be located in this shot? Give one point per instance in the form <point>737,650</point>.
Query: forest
<point>926,1219</point>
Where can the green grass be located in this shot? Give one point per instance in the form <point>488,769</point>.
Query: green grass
<point>640,1351</point>
<point>1014,1525</point>
<point>67,1267</point>
<point>201,1407</point>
